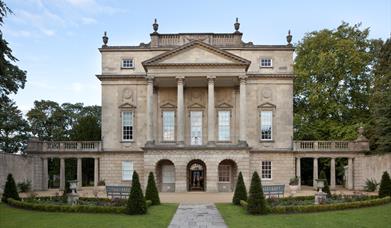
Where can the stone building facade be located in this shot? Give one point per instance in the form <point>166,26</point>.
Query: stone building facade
<point>196,109</point>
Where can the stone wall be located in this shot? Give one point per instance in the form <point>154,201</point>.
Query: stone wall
<point>367,167</point>
<point>22,167</point>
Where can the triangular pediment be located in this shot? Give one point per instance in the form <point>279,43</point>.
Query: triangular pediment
<point>196,53</point>
<point>224,105</point>
<point>196,105</point>
<point>267,105</point>
<point>168,105</point>
<point>127,106</point>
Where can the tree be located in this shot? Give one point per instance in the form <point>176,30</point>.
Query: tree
<point>333,81</point>
<point>10,190</point>
<point>240,191</point>
<point>11,77</point>
<point>381,101</point>
<point>151,193</point>
<point>14,130</point>
<point>86,129</point>
<point>136,202</point>
<point>48,120</point>
<point>256,200</point>
<point>326,188</point>
<point>385,185</point>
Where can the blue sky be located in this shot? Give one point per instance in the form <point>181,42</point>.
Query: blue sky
<point>56,41</point>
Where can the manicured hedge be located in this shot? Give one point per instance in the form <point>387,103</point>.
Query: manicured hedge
<point>324,207</point>
<point>68,208</point>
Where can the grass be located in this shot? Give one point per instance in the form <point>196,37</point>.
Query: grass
<point>379,216</point>
<point>158,216</point>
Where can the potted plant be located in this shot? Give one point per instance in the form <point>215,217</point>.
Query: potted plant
<point>294,185</point>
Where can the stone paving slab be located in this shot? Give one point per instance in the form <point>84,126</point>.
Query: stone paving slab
<point>197,216</point>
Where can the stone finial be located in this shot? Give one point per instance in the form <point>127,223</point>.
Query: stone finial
<point>155,26</point>
<point>237,25</point>
<point>105,39</point>
<point>361,137</point>
<point>289,38</point>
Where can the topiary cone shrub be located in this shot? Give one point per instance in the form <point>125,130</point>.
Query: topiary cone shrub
<point>256,199</point>
<point>152,193</point>
<point>136,202</point>
<point>326,188</point>
<point>10,190</point>
<point>240,191</point>
<point>385,185</point>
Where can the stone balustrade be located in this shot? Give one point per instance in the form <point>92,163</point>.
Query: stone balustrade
<point>216,39</point>
<point>64,146</point>
<point>330,145</point>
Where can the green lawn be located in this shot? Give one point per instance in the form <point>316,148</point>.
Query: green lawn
<point>158,216</point>
<point>379,216</point>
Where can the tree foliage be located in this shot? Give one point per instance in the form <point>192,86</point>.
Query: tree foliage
<point>385,185</point>
<point>11,77</point>
<point>240,191</point>
<point>333,81</point>
<point>51,121</point>
<point>14,130</point>
<point>10,190</point>
<point>381,101</point>
<point>256,200</point>
<point>136,201</point>
<point>151,193</point>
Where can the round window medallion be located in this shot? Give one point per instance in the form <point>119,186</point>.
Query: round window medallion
<point>267,93</point>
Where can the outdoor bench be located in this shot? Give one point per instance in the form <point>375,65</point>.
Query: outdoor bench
<point>273,190</point>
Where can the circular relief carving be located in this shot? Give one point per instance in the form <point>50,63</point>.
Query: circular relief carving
<point>127,94</point>
<point>267,93</point>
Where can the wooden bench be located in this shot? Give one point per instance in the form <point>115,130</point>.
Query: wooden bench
<point>118,191</point>
<point>273,190</point>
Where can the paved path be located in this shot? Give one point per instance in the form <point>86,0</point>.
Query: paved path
<point>197,216</point>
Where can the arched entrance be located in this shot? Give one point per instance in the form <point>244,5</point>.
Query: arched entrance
<point>196,175</point>
<point>227,175</point>
<point>165,175</point>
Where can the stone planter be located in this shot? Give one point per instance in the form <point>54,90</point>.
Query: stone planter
<point>293,189</point>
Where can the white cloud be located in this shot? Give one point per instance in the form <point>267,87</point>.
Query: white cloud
<point>88,20</point>
<point>48,32</point>
<point>77,87</point>
<point>19,33</point>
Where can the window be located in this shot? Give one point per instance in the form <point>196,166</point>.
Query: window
<point>168,174</point>
<point>224,125</point>
<point>168,126</point>
<point>224,173</point>
<point>196,128</point>
<point>266,62</point>
<point>127,126</point>
<point>266,170</point>
<point>266,125</point>
<point>127,170</point>
<point>127,63</point>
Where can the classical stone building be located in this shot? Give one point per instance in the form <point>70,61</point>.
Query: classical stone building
<point>195,109</point>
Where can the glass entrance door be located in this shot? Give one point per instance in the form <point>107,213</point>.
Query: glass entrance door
<point>196,177</point>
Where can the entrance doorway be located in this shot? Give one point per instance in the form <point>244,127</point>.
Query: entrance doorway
<point>196,175</point>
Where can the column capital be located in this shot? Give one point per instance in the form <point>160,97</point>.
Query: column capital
<point>149,78</point>
<point>211,78</point>
<point>243,78</point>
<point>180,79</point>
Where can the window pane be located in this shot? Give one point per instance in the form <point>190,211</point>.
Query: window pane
<point>224,125</point>
<point>127,125</point>
<point>224,173</point>
<point>196,128</point>
<point>168,174</point>
<point>266,124</point>
<point>169,126</point>
<point>266,170</point>
<point>127,63</point>
<point>266,62</point>
<point>127,170</point>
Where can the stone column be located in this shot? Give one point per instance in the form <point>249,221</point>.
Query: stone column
<point>180,112</point>
<point>149,110</point>
<point>96,171</point>
<point>243,111</point>
<point>332,174</point>
<point>315,174</point>
<point>79,173</point>
<point>211,110</point>
<point>45,174</point>
<point>350,173</point>
<point>298,171</point>
<point>62,173</point>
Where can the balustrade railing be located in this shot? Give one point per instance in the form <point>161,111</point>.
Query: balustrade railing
<point>324,145</point>
<point>62,146</point>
